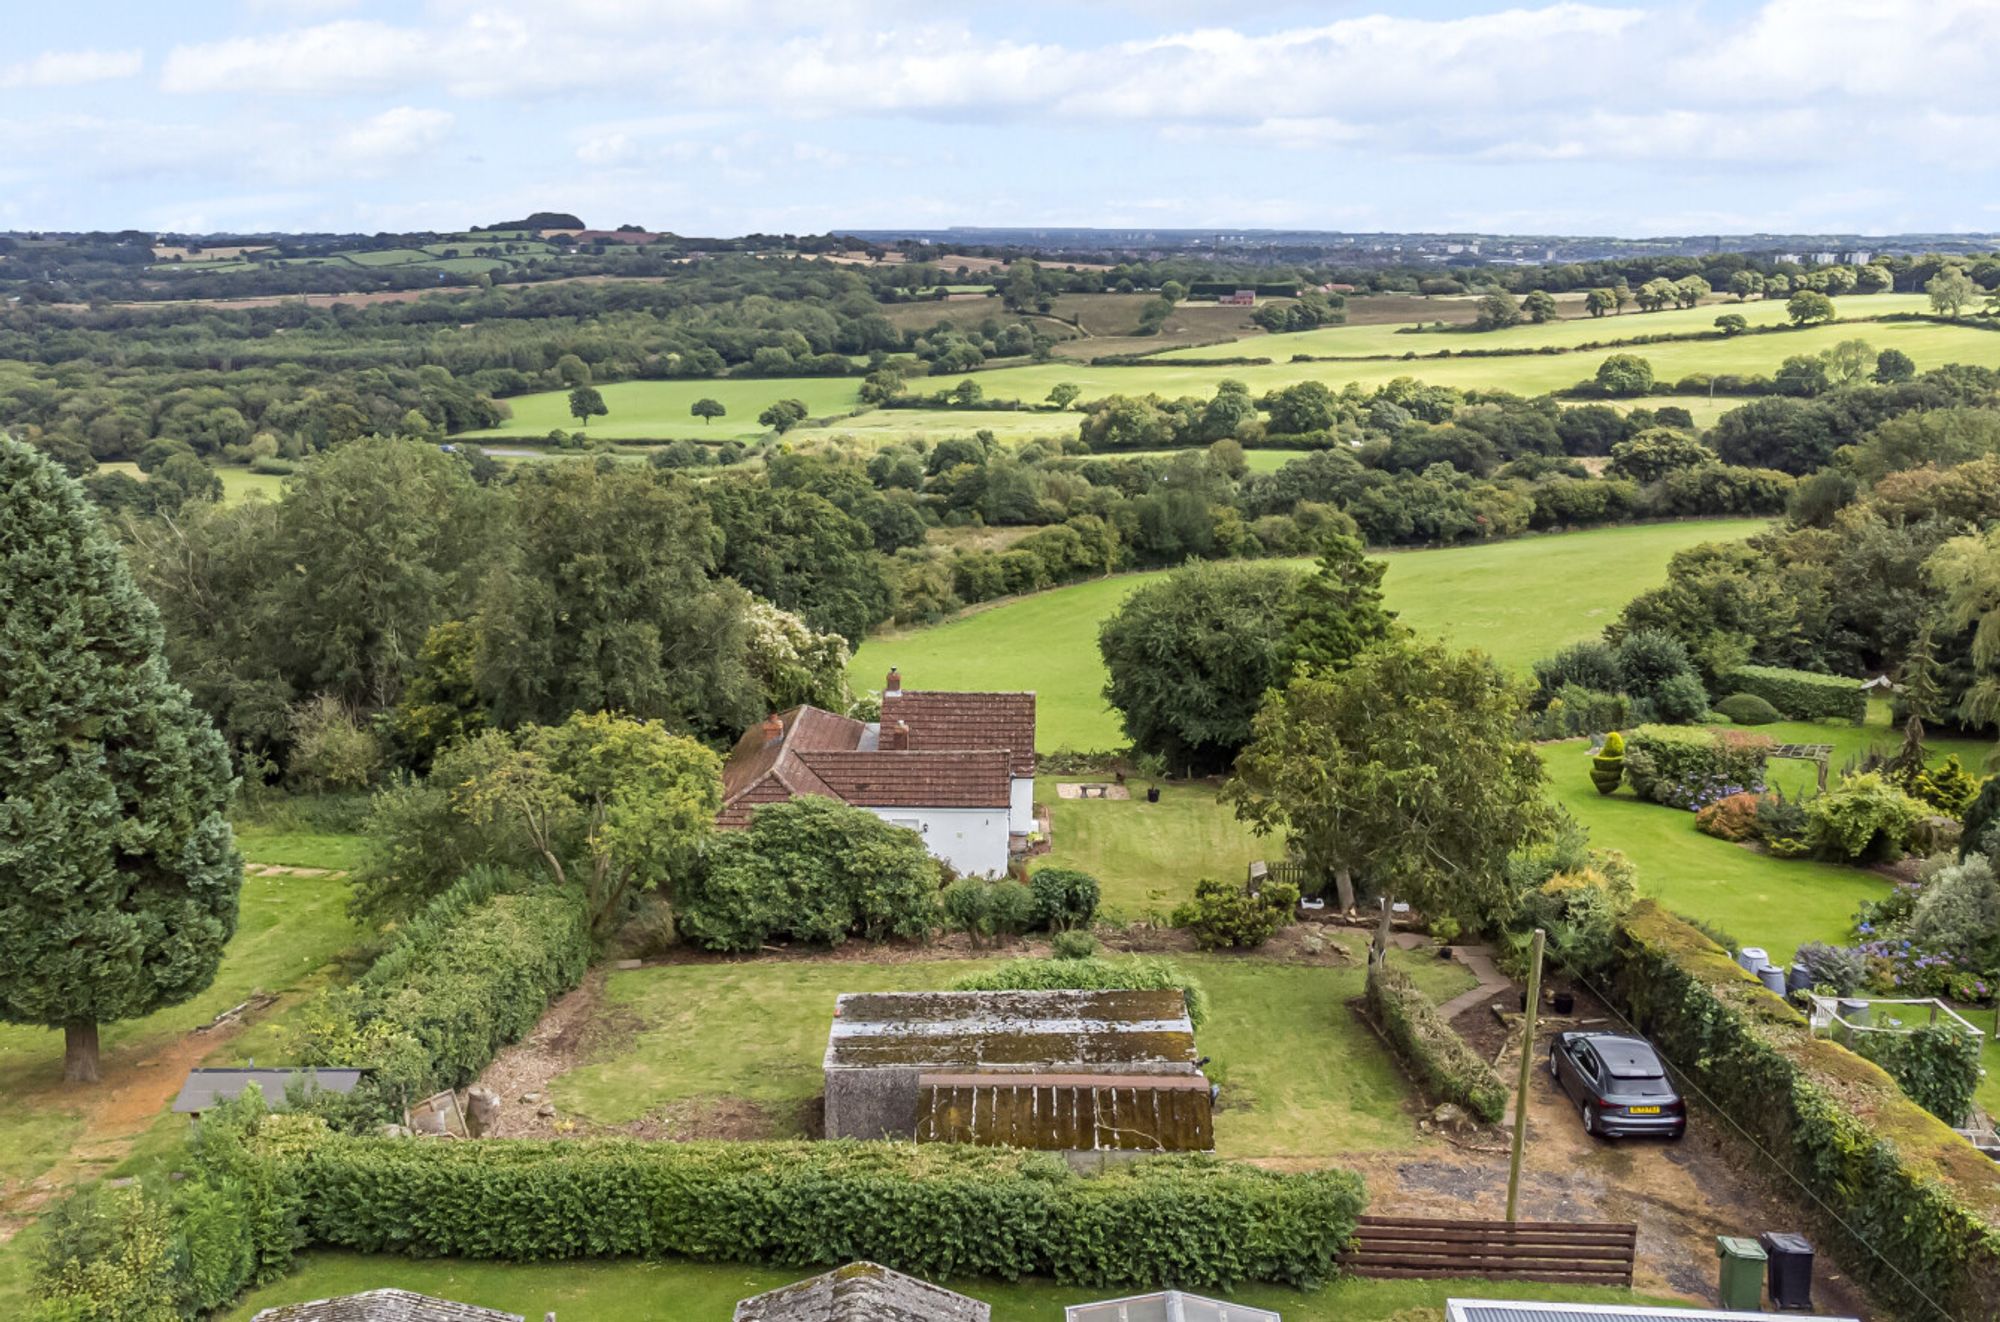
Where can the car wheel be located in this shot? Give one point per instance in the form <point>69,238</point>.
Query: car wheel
<point>1554,1073</point>
<point>1589,1120</point>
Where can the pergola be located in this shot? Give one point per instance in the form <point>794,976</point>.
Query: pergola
<point>1818,754</point>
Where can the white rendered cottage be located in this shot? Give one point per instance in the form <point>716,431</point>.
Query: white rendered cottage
<point>956,768</point>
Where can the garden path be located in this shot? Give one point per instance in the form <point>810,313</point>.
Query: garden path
<point>1492,982</point>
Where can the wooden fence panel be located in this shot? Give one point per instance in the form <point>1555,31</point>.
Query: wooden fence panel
<point>1559,1252</point>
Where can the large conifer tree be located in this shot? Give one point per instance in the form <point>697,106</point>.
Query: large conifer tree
<point>118,871</point>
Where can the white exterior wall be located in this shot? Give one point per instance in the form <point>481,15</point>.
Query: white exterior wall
<point>972,840</point>
<point>1021,808</point>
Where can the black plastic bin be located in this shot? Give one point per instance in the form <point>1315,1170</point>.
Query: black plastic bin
<point>1789,1260</point>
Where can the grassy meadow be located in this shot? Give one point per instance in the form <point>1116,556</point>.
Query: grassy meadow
<point>1518,600</point>
<point>1368,354</point>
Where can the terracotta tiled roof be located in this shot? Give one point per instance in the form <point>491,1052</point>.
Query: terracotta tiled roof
<point>945,720</point>
<point>911,779</point>
<point>758,754</point>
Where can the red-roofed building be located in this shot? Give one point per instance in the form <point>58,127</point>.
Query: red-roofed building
<point>957,768</point>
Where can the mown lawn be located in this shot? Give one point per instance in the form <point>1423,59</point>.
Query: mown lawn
<point>1148,856</point>
<point>707,1292</point>
<point>287,846</point>
<point>1300,1075</point>
<point>1519,600</point>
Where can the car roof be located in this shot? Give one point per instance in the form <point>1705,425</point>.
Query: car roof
<point>1626,1057</point>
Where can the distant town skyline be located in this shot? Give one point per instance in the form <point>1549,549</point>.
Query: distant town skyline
<point>1672,117</point>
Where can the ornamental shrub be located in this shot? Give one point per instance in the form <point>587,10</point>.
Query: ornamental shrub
<point>1863,817</point>
<point>1647,658</point>
<point>1957,913</point>
<point>1802,695</point>
<point>1574,711</point>
<point>1748,709</point>
<point>1842,968</point>
<point>1947,787</point>
<point>1226,914</point>
<point>1073,944</point>
<point>983,909</point>
<point>1448,1069</point>
<point>1681,700</point>
<point>933,1209</point>
<point>1586,665</point>
<point>1064,898</point>
<point>1607,767</point>
<point>1733,818</point>
<point>1687,767</point>
<point>810,869</point>
<point>1138,973</point>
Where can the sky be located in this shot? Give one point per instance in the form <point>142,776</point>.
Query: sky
<point>719,117</point>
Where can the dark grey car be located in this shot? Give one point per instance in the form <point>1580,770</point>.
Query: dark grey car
<point>1619,1084</point>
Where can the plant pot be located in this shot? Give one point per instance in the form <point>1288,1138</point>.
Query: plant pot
<point>1152,794</point>
<point>1563,1002</point>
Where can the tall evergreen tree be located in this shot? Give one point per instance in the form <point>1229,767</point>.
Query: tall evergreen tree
<point>1338,610</point>
<point>118,870</point>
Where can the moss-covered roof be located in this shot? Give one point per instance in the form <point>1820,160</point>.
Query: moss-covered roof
<point>1115,1031</point>
<point>862,1292</point>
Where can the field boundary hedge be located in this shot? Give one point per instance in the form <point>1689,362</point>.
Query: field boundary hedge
<point>936,1210</point>
<point>1915,1208</point>
<point>1802,695</point>
<point>1448,1068</point>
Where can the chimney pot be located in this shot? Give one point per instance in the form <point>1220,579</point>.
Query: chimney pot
<point>894,683</point>
<point>895,737</point>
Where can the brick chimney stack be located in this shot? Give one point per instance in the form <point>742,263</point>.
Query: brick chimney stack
<point>773,729</point>
<point>895,738</point>
<point>894,683</point>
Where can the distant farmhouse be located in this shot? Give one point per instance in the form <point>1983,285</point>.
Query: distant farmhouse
<point>956,768</point>
<point>1063,1071</point>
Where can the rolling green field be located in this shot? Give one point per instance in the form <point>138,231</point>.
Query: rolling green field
<point>627,1291</point>
<point>238,484</point>
<point>1519,600</point>
<point>658,409</point>
<point>1567,333</point>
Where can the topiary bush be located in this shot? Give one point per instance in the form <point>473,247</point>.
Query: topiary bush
<point>1073,944</point>
<point>1686,767</point>
<point>1064,898</point>
<point>1802,695</point>
<point>1226,914</point>
<point>1749,709</point>
<point>1607,767</point>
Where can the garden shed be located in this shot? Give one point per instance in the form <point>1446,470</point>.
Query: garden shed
<point>1055,1070</point>
<point>862,1292</point>
<point>206,1088</point>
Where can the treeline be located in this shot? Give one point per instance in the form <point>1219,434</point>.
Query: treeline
<point>99,385</point>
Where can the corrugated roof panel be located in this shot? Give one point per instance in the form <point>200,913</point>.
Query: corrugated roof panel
<point>1490,1310</point>
<point>1167,1306</point>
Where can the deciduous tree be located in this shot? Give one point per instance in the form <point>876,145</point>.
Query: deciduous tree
<point>1406,770</point>
<point>708,410</point>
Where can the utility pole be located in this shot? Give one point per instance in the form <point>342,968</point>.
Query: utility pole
<point>1527,1063</point>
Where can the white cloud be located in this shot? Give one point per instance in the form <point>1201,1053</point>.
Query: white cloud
<point>70,68</point>
<point>392,136</point>
<point>349,56</point>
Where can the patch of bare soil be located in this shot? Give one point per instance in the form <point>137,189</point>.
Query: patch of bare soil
<point>1680,1195</point>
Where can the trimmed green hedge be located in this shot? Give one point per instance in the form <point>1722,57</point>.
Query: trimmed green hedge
<point>474,973</point>
<point>1916,1202</point>
<point>1689,766</point>
<point>937,1210</point>
<point>1802,695</point>
<point>1439,1057</point>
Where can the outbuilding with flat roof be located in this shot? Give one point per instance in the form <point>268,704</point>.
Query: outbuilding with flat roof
<point>207,1088</point>
<point>1056,1070</point>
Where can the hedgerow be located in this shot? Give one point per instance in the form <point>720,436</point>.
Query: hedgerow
<point>474,972</point>
<point>1906,1204</point>
<point>1802,695</point>
<point>1439,1057</point>
<point>930,1209</point>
